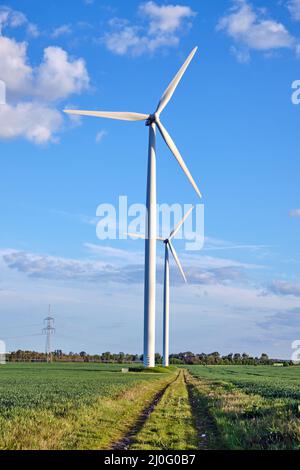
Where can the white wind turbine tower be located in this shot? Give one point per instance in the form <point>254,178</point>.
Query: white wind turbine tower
<point>166,297</point>
<point>166,314</point>
<point>152,120</point>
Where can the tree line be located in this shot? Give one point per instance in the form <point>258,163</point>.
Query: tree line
<point>216,358</point>
<point>187,358</point>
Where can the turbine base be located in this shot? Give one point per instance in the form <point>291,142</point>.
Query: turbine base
<point>148,362</point>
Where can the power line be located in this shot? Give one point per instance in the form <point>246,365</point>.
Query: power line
<point>13,327</point>
<point>22,336</point>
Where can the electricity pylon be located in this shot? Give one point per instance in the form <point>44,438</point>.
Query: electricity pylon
<point>49,330</point>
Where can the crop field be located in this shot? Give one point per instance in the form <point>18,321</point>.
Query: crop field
<point>268,381</point>
<point>250,407</point>
<point>58,386</point>
<point>96,406</point>
<point>61,406</point>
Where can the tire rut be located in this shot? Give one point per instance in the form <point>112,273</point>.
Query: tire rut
<point>205,425</point>
<point>128,439</point>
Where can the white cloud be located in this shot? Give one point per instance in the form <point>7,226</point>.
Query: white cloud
<point>10,18</point>
<point>123,266</point>
<point>33,30</point>
<point>17,19</point>
<point>287,319</point>
<point>31,90</point>
<point>4,15</point>
<point>51,267</point>
<point>160,26</point>
<point>14,68</point>
<point>130,40</point>
<point>250,29</point>
<point>123,39</point>
<point>89,270</point>
<point>165,18</point>
<point>62,30</point>
<point>295,213</point>
<point>214,262</point>
<point>294,7</point>
<point>58,76</point>
<point>37,123</point>
<point>100,136</point>
<point>116,254</point>
<point>214,244</point>
<point>285,288</point>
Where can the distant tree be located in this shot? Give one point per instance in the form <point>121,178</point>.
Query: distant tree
<point>106,356</point>
<point>58,353</point>
<point>214,358</point>
<point>158,358</point>
<point>264,358</point>
<point>188,357</point>
<point>121,357</point>
<point>237,358</point>
<point>175,361</point>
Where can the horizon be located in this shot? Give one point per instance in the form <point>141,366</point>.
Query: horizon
<point>140,355</point>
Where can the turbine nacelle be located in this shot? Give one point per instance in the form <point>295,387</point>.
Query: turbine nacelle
<point>152,119</point>
<point>167,241</point>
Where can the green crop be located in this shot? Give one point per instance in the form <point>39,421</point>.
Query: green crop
<point>267,381</point>
<point>59,387</point>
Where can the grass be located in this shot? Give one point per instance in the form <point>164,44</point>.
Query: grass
<point>93,406</point>
<point>250,407</point>
<point>268,381</point>
<point>171,425</point>
<point>70,406</point>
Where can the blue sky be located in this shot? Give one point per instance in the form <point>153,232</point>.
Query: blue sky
<point>234,122</point>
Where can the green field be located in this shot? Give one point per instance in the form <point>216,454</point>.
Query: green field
<point>59,387</point>
<point>95,406</point>
<point>268,381</point>
<point>69,405</point>
<point>251,407</point>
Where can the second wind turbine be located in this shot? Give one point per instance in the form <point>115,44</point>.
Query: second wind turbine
<point>166,310</point>
<point>152,121</point>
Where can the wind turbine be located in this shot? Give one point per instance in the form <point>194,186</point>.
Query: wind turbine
<point>166,297</point>
<point>166,315</point>
<point>152,121</point>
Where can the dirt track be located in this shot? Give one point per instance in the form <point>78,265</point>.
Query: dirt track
<point>127,440</point>
<point>202,421</point>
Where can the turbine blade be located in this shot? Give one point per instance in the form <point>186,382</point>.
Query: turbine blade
<point>173,85</point>
<point>173,233</point>
<point>175,256</point>
<point>110,115</point>
<point>169,141</point>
